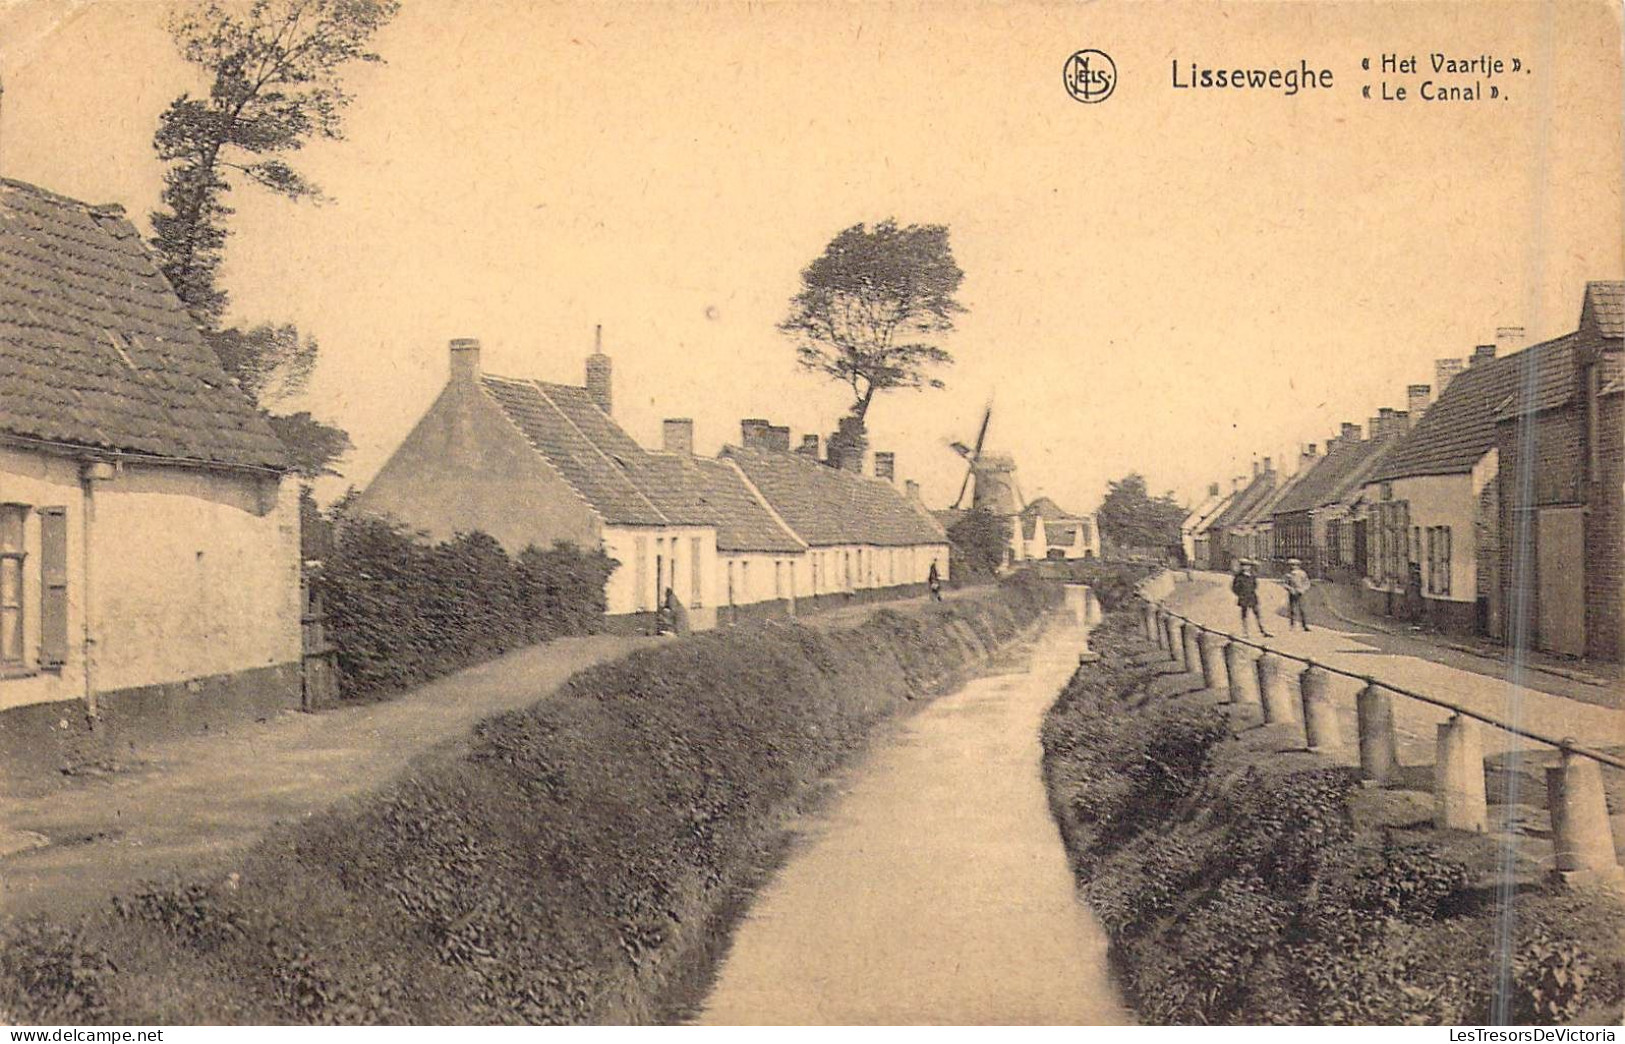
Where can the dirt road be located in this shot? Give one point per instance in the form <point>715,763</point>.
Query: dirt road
<point>195,802</point>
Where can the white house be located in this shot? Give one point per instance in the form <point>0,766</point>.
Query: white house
<point>149,543</point>
<point>530,462</point>
<point>861,532</point>
<point>1052,532</point>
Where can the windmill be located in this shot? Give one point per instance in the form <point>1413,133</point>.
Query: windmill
<point>994,475</point>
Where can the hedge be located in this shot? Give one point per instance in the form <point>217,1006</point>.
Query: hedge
<point>1242,884</point>
<point>569,863</point>
<point>402,611</point>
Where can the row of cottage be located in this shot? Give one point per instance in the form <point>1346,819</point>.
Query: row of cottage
<point>150,573</point>
<point>1494,508</point>
<point>759,526</point>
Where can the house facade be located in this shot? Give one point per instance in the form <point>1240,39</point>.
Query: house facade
<point>1229,537</point>
<point>1556,576</point>
<point>531,462</point>
<point>1053,532</point>
<point>149,541</point>
<point>1432,526</point>
<point>862,534</point>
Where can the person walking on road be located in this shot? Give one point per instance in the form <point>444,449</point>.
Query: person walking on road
<point>1297,585</point>
<point>933,580</point>
<point>1245,588</point>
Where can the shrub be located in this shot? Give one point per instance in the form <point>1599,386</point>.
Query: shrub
<point>1551,978</point>
<point>401,611</point>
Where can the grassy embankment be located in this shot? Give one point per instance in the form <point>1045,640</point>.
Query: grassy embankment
<point>577,861</point>
<point>1242,879</point>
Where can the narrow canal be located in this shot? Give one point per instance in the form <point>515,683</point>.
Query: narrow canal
<point>934,888</point>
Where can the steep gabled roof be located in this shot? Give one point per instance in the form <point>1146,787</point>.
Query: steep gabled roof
<point>1543,381</point>
<point>602,475</point>
<point>96,350</point>
<point>744,523</point>
<point>1213,513</point>
<point>1345,465</point>
<point>1606,303</point>
<point>1242,504</point>
<point>1047,509</point>
<point>1459,429</point>
<point>827,506</point>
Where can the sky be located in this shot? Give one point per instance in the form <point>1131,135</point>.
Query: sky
<point>1170,281</point>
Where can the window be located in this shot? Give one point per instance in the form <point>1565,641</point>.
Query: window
<point>12,554</point>
<point>640,555</point>
<point>778,578</point>
<point>730,583</point>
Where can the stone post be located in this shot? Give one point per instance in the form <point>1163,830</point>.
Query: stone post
<point>1458,777</point>
<point>1193,655</point>
<point>1208,644</point>
<point>1159,624</point>
<point>1274,690</point>
<point>1320,727</point>
<point>1238,667</point>
<point>1379,744</point>
<point>1145,621</point>
<point>1170,637</point>
<point>1581,837</point>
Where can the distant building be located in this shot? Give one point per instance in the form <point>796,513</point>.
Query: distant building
<point>1229,535</point>
<point>861,533</point>
<point>1053,532</point>
<point>1558,583</point>
<point>1193,522</point>
<point>149,542</point>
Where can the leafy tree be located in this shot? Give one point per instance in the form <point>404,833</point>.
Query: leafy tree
<point>976,545</point>
<point>315,447</point>
<point>274,68</point>
<point>271,364</point>
<point>869,309</point>
<point>1130,517</point>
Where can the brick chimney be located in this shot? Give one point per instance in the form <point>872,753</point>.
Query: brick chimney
<point>1417,397</point>
<point>465,360</point>
<point>1509,339</point>
<point>1212,489</point>
<point>1269,465</point>
<point>677,435</point>
<point>808,447</point>
<point>1308,456</point>
<point>1444,370</point>
<point>598,373</point>
<point>912,488</point>
<point>753,433</point>
<point>885,465</point>
<point>1482,354</point>
<point>778,437</point>
<point>852,460</point>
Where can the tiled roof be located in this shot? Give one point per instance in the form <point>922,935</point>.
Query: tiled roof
<point>743,522</point>
<point>604,479</point>
<point>1332,476</point>
<point>1242,504</point>
<point>1207,519</point>
<point>1607,304</point>
<point>1047,509</point>
<point>826,506</point>
<point>1459,428</point>
<point>97,351</point>
<point>1544,381</point>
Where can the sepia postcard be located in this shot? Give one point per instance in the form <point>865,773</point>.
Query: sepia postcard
<point>812,514</point>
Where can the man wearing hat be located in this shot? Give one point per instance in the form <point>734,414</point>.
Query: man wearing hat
<point>1245,587</point>
<point>1297,585</point>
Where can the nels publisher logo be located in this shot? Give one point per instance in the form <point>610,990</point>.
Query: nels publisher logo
<point>1090,76</point>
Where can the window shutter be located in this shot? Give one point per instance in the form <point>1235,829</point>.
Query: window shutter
<point>53,643</point>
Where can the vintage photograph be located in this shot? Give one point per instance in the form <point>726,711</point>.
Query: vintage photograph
<point>812,513</point>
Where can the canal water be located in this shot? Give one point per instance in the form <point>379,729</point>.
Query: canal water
<point>934,888</point>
